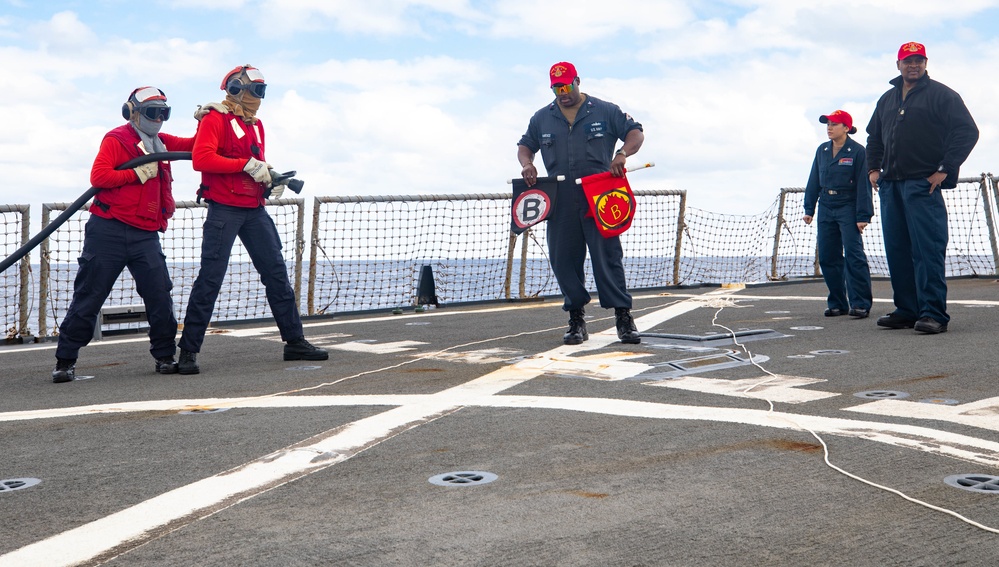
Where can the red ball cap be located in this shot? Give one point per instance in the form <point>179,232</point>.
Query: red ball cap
<point>911,48</point>
<point>562,73</point>
<point>839,117</point>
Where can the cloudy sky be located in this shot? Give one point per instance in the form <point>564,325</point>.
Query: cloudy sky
<point>402,97</point>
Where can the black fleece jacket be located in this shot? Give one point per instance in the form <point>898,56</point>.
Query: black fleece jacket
<point>911,139</point>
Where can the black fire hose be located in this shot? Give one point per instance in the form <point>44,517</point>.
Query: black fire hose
<point>77,204</point>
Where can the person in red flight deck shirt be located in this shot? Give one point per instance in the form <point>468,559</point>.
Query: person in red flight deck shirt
<point>229,153</point>
<point>126,216</point>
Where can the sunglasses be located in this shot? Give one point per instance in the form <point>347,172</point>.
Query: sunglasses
<point>563,89</point>
<point>156,112</point>
<point>256,89</point>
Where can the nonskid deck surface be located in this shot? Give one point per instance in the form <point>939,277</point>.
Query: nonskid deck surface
<point>472,436</point>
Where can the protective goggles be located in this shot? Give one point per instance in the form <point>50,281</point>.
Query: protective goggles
<point>142,101</point>
<point>563,89</point>
<point>156,112</point>
<point>256,89</point>
<point>256,86</point>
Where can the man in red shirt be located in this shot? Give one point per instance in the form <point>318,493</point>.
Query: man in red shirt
<point>229,153</point>
<point>126,217</point>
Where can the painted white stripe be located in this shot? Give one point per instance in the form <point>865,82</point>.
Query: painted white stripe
<point>983,413</point>
<point>606,365</point>
<point>777,389</point>
<point>963,447</point>
<point>481,356</point>
<point>211,403</point>
<point>377,348</point>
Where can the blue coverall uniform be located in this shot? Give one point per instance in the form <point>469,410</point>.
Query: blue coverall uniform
<point>232,214</point>
<point>576,150</point>
<point>842,188</point>
<point>108,248</point>
<point>909,140</point>
<point>123,232</point>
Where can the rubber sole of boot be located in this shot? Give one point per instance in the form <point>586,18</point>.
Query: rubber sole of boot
<point>300,356</point>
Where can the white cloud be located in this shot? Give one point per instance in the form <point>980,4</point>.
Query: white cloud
<point>63,31</point>
<point>397,97</point>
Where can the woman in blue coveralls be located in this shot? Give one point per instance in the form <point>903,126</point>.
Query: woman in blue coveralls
<point>840,185</point>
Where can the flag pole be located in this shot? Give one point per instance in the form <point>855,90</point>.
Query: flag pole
<point>629,169</point>
<point>557,178</point>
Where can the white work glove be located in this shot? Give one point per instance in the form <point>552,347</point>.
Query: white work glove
<point>258,170</point>
<point>277,189</point>
<point>146,171</point>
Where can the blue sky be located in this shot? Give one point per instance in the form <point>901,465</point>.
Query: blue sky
<point>397,97</point>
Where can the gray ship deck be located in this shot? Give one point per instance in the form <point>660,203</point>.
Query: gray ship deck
<point>682,450</point>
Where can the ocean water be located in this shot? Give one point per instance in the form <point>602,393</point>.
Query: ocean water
<point>349,286</point>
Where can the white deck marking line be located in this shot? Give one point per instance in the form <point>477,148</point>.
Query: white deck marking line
<point>377,348</point>
<point>779,389</point>
<point>945,443</point>
<point>607,365</point>
<point>481,393</point>
<point>481,356</point>
<point>983,413</point>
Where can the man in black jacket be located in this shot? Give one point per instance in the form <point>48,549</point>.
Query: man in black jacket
<point>920,134</point>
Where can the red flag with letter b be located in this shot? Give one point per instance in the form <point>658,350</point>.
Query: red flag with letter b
<point>612,203</point>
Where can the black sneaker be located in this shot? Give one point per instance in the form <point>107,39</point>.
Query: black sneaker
<point>301,349</point>
<point>893,321</point>
<point>626,329</point>
<point>65,370</point>
<point>188,363</point>
<point>859,313</point>
<point>577,328</point>
<point>166,365</point>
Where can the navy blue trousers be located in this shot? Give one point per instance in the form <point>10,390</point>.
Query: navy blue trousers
<point>109,246</point>
<point>842,258</point>
<point>257,232</point>
<point>570,233</point>
<point>914,222</point>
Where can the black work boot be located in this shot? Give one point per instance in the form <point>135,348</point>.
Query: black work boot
<point>188,363</point>
<point>65,370</point>
<point>626,329</point>
<point>166,365</point>
<point>301,349</point>
<point>577,328</point>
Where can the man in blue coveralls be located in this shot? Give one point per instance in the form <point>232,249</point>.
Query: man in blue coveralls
<point>576,134</point>
<point>920,134</point>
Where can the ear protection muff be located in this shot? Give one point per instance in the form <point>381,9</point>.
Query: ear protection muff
<point>127,108</point>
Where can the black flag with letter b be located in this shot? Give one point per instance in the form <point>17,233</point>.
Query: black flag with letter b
<point>532,205</point>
